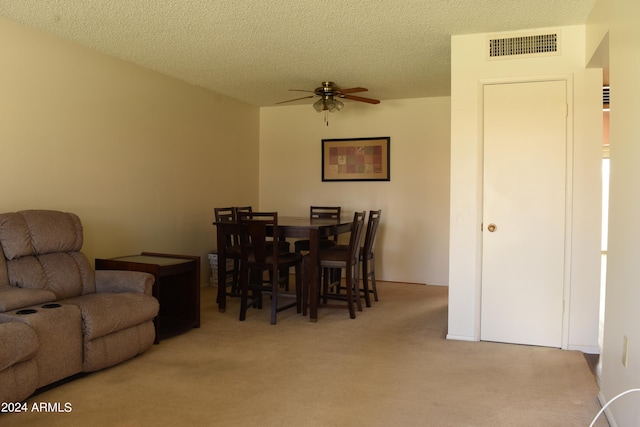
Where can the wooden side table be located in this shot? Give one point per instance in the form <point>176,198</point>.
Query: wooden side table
<point>177,288</point>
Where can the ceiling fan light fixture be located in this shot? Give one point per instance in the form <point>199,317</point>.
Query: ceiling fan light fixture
<point>330,105</point>
<point>319,105</point>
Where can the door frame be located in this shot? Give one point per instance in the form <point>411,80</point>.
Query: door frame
<point>568,79</point>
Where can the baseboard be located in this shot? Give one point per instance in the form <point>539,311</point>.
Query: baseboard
<point>588,349</point>
<point>607,412</point>
<point>460,338</point>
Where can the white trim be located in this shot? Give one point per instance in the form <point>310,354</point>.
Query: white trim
<point>587,349</point>
<point>607,412</point>
<point>461,338</point>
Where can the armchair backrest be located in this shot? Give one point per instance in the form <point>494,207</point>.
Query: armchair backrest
<point>42,251</point>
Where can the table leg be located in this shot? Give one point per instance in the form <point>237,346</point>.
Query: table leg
<point>314,273</point>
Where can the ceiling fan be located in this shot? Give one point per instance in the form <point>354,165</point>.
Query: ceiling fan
<point>330,95</point>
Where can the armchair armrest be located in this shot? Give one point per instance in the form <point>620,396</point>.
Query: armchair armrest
<point>124,281</point>
<point>12,298</point>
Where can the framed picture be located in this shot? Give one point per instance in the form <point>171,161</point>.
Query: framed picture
<point>356,159</point>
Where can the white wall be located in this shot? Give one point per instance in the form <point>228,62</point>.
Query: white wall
<point>470,69</point>
<point>622,314</point>
<point>414,231</point>
<point>142,158</point>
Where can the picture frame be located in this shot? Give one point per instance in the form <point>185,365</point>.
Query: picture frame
<point>356,159</point>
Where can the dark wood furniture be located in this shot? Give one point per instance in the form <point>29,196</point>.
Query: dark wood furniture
<point>321,212</point>
<point>177,287</point>
<point>345,257</point>
<point>260,255</point>
<point>232,248</point>
<point>368,258</point>
<point>288,227</point>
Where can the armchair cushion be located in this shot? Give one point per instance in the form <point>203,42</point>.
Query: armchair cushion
<point>18,368</point>
<point>14,298</point>
<point>103,314</point>
<point>66,274</point>
<point>124,281</point>
<point>31,233</point>
<point>42,250</point>
<point>19,343</point>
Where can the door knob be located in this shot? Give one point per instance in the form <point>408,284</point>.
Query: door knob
<point>491,228</point>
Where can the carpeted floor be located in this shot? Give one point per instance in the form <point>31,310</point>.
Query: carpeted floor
<point>392,366</point>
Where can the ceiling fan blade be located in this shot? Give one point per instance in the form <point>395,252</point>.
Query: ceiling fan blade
<point>301,90</point>
<point>360,98</point>
<point>353,90</point>
<point>295,99</point>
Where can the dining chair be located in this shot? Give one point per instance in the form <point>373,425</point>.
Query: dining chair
<point>232,247</point>
<point>328,212</point>
<point>336,258</point>
<point>283,246</point>
<point>260,255</point>
<point>367,257</point>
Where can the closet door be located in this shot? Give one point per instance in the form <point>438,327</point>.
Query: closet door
<point>524,204</point>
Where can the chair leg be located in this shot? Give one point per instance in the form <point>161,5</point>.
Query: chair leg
<point>336,277</point>
<point>275,284</point>
<point>235,284</point>
<point>299,286</point>
<point>326,273</point>
<point>356,285</point>
<point>352,311</point>
<point>373,278</point>
<point>284,279</point>
<point>365,284</point>
<point>373,286</point>
<point>244,294</point>
<point>306,286</point>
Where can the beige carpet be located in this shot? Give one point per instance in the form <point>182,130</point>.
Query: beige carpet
<point>389,367</point>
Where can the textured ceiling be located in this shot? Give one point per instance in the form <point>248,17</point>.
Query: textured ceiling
<point>256,50</point>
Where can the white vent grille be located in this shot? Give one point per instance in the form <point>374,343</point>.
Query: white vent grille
<point>605,96</point>
<point>526,45</point>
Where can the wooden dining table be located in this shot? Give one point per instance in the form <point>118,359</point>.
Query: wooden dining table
<point>313,229</point>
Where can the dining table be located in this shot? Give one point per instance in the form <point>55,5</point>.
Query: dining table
<point>292,227</point>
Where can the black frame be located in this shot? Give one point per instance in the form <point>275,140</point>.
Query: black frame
<point>385,161</point>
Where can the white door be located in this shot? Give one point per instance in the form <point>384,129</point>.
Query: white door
<point>524,192</point>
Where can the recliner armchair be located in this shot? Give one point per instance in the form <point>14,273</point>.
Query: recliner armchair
<point>83,320</point>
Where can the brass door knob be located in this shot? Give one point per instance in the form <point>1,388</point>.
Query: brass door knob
<point>491,228</point>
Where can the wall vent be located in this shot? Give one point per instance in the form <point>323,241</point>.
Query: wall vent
<point>605,97</point>
<point>539,44</point>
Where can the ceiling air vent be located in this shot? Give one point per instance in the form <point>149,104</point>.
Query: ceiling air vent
<point>539,44</point>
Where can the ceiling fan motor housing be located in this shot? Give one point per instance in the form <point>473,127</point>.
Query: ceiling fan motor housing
<point>327,89</point>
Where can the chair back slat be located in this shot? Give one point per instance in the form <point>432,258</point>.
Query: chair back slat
<point>372,232</point>
<point>356,235</point>
<point>327,212</point>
